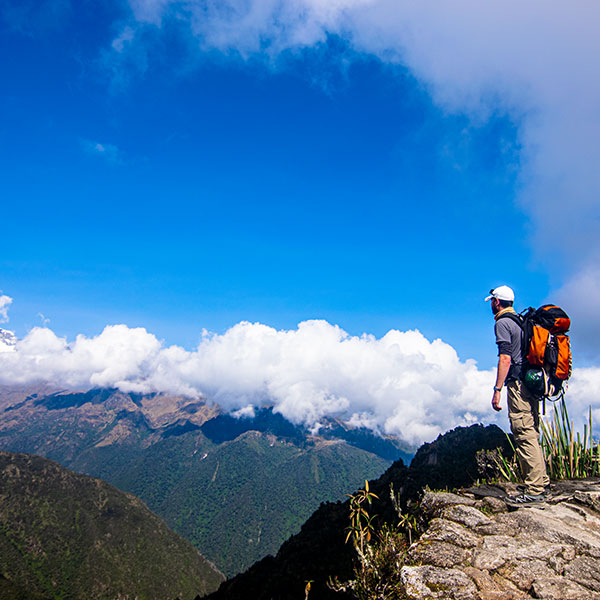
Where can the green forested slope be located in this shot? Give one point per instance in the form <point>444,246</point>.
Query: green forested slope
<point>240,500</point>
<point>65,535</point>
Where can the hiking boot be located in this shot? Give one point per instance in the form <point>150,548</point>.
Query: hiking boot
<point>523,489</point>
<point>525,499</point>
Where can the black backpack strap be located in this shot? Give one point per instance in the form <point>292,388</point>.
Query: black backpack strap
<point>518,319</point>
<point>518,371</point>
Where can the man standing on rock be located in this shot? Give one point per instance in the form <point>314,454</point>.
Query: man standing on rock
<point>523,406</point>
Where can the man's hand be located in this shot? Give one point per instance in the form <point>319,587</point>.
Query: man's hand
<point>503,368</point>
<point>496,401</point>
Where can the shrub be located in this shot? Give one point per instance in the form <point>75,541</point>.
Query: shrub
<point>380,555</point>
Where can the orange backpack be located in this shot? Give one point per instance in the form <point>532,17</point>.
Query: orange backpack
<point>546,350</point>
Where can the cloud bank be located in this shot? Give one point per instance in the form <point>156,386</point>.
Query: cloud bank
<point>400,384</point>
<point>534,61</point>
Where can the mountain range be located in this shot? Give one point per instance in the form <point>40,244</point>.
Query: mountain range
<point>237,488</point>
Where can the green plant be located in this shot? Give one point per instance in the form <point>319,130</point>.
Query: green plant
<point>494,466</point>
<point>377,577</point>
<point>407,521</point>
<point>569,455</point>
<point>509,469</point>
<point>361,523</point>
<point>380,554</point>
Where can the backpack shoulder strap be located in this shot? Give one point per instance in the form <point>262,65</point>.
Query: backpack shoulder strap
<point>518,319</point>
<point>522,320</point>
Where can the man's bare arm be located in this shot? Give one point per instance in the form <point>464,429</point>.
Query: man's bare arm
<point>502,373</point>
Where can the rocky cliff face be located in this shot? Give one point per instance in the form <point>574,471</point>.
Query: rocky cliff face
<point>474,549</point>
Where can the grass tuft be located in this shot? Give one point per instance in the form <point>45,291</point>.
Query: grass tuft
<point>569,455</point>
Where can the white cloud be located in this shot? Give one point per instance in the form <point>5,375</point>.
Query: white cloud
<point>583,396</point>
<point>579,297</point>
<point>108,152</point>
<point>535,61</point>
<point>247,412</point>
<point>5,302</point>
<point>400,384</point>
<point>123,39</point>
<point>118,357</point>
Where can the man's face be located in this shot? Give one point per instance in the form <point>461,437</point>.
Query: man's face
<point>496,308</point>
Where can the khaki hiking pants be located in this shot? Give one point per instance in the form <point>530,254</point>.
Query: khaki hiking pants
<point>524,415</point>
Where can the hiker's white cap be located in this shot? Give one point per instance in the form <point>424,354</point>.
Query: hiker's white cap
<point>502,293</point>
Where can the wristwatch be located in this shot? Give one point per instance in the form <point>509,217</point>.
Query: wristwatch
<point>497,389</point>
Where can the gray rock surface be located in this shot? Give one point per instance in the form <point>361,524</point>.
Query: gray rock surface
<point>433,582</point>
<point>473,548</point>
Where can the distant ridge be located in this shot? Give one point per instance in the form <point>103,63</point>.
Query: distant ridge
<point>225,427</point>
<point>65,535</point>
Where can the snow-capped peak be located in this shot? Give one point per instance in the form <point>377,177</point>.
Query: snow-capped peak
<point>8,340</point>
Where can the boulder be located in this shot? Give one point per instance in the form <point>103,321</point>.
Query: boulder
<point>559,588</point>
<point>423,583</point>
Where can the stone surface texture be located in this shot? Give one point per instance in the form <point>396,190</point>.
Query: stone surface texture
<point>475,547</point>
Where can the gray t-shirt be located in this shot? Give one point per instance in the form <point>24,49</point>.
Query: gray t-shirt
<point>508,338</point>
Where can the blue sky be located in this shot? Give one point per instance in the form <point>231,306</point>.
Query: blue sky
<point>154,177</point>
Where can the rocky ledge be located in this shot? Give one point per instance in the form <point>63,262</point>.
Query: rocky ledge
<point>475,547</point>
